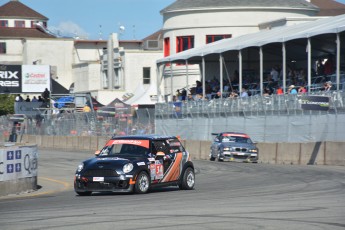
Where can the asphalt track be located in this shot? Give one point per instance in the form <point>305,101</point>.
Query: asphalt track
<point>227,196</point>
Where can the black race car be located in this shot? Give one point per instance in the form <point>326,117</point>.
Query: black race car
<point>136,164</point>
<point>232,146</point>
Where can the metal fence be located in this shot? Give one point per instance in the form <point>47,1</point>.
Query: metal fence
<point>249,106</point>
<point>140,121</point>
<point>191,119</point>
<point>275,118</point>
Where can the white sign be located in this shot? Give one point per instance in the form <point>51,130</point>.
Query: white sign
<point>35,78</point>
<point>18,162</point>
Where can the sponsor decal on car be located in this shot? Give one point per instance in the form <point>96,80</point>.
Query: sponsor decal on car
<point>98,179</point>
<point>141,163</point>
<point>143,143</point>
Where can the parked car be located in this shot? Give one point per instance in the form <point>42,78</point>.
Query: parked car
<point>136,164</point>
<point>232,146</point>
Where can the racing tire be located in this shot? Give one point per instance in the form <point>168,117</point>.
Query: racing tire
<point>188,179</point>
<point>84,193</point>
<point>142,184</point>
<point>212,158</point>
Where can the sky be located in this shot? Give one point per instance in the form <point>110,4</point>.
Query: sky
<point>97,19</point>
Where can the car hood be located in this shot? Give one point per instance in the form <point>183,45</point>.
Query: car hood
<point>112,162</point>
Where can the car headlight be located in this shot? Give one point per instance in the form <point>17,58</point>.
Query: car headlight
<point>127,168</point>
<point>253,150</point>
<point>226,149</point>
<point>80,167</point>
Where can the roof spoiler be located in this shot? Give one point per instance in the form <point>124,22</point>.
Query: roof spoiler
<point>214,134</point>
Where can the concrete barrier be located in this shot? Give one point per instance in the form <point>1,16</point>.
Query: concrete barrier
<point>322,153</point>
<point>18,168</point>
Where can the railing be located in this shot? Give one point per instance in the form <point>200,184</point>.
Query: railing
<point>250,106</point>
<point>82,124</point>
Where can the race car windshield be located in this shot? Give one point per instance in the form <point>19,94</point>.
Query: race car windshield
<point>237,139</point>
<point>118,150</point>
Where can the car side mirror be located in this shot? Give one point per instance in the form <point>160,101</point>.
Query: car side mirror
<point>97,152</point>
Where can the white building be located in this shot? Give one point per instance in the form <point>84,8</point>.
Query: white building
<point>82,65</point>
<point>191,24</point>
<point>79,65</point>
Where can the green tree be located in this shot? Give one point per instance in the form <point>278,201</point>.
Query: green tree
<point>6,104</point>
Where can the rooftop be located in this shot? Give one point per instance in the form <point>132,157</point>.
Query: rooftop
<point>180,5</point>
<point>16,9</point>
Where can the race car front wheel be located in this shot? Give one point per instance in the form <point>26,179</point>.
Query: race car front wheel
<point>188,179</point>
<point>142,184</point>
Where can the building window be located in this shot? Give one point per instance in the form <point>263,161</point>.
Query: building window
<point>214,38</point>
<point>184,43</point>
<point>2,47</point>
<point>3,23</point>
<point>146,75</point>
<point>166,47</point>
<point>20,24</point>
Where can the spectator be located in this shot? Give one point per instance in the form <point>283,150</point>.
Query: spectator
<point>27,99</point>
<point>292,90</point>
<point>329,65</point>
<point>274,74</point>
<point>46,95</point>
<point>198,89</point>
<point>327,86</point>
<point>40,99</point>
<point>302,90</point>
<point>233,95</point>
<point>19,98</point>
<point>244,92</point>
<point>320,69</point>
<point>86,109</point>
<point>34,99</point>
<point>218,95</point>
<point>279,91</point>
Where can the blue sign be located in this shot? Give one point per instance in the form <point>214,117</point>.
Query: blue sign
<point>10,168</point>
<point>18,154</point>
<point>10,155</point>
<point>18,167</point>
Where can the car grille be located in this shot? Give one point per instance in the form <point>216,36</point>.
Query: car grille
<point>241,149</point>
<point>240,157</point>
<point>100,172</point>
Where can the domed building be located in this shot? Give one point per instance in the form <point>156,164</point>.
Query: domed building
<point>190,24</point>
<point>196,23</point>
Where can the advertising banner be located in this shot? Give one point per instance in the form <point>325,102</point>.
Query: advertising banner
<point>10,79</point>
<point>17,79</point>
<point>18,162</point>
<point>35,78</point>
<point>315,103</point>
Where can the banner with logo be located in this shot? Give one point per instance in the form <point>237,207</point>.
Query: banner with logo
<point>35,78</point>
<point>18,162</point>
<point>17,79</point>
<point>315,103</point>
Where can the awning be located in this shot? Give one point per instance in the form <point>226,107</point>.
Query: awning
<point>330,25</point>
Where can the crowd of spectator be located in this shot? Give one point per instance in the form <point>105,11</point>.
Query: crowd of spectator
<point>296,81</point>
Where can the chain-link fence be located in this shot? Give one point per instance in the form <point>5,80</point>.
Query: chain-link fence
<point>140,121</point>
<point>275,118</point>
<point>249,106</point>
<point>192,119</point>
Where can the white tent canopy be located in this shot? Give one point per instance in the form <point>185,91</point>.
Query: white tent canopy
<point>142,96</point>
<point>281,34</point>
